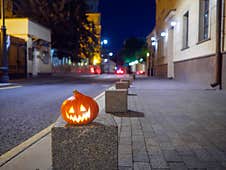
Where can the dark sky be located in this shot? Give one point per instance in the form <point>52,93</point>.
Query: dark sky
<point>126,18</point>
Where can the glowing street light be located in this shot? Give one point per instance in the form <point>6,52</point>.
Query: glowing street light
<point>105,42</point>
<point>153,39</point>
<point>173,23</point>
<point>163,34</point>
<point>110,54</point>
<point>153,43</point>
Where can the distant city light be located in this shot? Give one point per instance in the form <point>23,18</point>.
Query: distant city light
<point>173,23</point>
<point>153,43</point>
<point>141,59</point>
<point>148,54</point>
<point>105,42</point>
<point>163,34</point>
<point>110,54</point>
<point>8,42</point>
<point>133,62</point>
<point>153,39</point>
<point>105,60</point>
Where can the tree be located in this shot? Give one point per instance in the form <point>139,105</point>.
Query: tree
<point>133,49</point>
<point>71,31</point>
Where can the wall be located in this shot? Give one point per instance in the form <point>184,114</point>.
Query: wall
<point>18,27</point>
<point>198,70</point>
<point>195,50</point>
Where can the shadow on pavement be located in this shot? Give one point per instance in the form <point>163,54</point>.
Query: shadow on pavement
<point>130,113</point>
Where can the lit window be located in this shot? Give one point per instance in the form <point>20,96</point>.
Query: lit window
<point>203,20</point>
<point>185,29</point>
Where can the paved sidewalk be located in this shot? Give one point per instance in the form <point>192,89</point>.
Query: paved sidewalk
<point>173,125</point>
<point>170,125</point>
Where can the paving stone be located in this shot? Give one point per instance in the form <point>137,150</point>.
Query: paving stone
<point>158,161</point>
<point>184,150</point>
<point>125,141</point>
<point>125,159</point>
<point>203,155</point>
<point>154,151</point>
<point>124,168</point>
<point>125,122</point>
<point>139,151</point>
<point>125,149</point>
<point>167,146</point>
<point>141,166</point>
<point>171,156</point>
<point>177,166</point>
<point>210,165</point>
<point>193,162</point>
<point>140,156</point>
<point>151,141</point>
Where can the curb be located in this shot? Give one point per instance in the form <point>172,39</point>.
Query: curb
<point>9,85</point>
<point>6,157</point>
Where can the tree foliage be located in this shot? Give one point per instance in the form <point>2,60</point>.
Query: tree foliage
<point>67,20</point>
<point>133,49</point>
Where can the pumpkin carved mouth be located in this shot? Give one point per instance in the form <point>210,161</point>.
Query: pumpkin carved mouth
<point>78,118</point>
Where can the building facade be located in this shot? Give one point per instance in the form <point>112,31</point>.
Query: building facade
<point>37,45</point>
<point>188,41</point>
<point>29,47</point>
<point>95,18</point>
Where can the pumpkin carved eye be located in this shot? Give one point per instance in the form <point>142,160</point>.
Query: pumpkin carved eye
<point>74,109</point>
<point>82,108</point>
<point>71,110</point>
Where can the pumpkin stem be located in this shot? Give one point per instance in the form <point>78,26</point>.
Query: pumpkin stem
<point>75,91</point>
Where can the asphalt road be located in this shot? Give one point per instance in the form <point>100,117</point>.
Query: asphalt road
<point>35,105</point>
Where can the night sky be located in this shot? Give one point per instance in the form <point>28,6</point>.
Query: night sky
<point>122,19</point>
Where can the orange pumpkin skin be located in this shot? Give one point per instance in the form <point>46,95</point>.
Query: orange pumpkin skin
<point>79,109</point>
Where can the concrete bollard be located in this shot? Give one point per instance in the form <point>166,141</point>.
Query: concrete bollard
<point>122,85</point>
<point>116,101</point>
<point>93,146</point>
<point>129,81</point>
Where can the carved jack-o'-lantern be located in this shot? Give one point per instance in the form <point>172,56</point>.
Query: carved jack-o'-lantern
<point>79,109</point>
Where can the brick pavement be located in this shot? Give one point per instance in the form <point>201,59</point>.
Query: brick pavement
<point>174,126</point>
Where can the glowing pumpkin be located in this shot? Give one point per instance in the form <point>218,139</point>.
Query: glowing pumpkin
<point>79,109</point>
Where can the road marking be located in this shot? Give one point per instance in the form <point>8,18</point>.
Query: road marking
<point>9,87</point>
<point>32,140</point>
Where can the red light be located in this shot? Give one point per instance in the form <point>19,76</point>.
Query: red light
<point>92,70</point>
<point>140,72</point>
<point>98,70</point>
<point>120,71</point>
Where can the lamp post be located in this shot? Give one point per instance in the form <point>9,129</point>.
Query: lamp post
<point>4,68</point>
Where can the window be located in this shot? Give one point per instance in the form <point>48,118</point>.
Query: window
<point>203,20</point>
<point>185,29</point>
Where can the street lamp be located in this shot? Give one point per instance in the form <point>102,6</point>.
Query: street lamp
<point>105,42</point>
<point>110,54</point>
<point>4,68</point>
